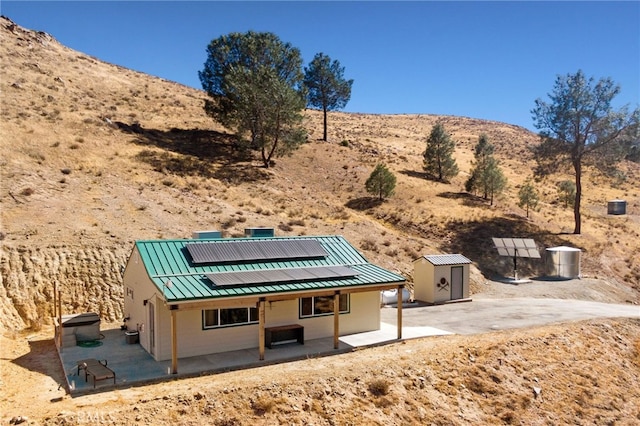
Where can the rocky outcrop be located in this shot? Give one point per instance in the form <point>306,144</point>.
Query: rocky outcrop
<point>88,277</point>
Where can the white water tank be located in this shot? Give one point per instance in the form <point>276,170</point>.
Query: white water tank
<point>389,297</point>
<point>563,262</point>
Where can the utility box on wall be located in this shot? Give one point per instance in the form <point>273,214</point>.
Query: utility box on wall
<point>441,278</point>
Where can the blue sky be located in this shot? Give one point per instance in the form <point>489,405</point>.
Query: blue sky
<point>487,60</point>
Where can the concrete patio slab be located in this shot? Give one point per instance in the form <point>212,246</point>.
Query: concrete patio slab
<point>134,366</point>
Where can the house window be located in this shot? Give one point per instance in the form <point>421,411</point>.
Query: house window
<point>216,318</point>
<point>322,305</point>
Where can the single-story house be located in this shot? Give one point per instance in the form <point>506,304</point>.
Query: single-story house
<point>194,297</point>
<point>440,278</point>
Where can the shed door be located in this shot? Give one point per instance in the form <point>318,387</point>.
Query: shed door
<point>456,282</point>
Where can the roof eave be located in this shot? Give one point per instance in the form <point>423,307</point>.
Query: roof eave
<point>285,295</point>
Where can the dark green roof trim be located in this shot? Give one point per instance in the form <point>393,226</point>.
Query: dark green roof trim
<point>169,260</point>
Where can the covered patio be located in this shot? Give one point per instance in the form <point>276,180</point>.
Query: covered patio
<point>134,366</point>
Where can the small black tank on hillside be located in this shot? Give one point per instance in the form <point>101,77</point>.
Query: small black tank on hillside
<point>617,207</point>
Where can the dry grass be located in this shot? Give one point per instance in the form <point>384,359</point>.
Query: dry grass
<point>536,376</point>
<point>94,156</point>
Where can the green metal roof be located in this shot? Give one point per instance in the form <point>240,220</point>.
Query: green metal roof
<point>169,260</point>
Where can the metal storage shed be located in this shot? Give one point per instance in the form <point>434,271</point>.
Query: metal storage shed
<point>441,278</point>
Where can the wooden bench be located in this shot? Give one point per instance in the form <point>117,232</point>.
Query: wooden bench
<point>96,369</point>
<point>283,333</point>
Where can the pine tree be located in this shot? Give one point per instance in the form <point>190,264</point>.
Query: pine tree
<point>486,176</point>
<point>493,180</point>
<point>381,182</point>
<point>528,196</point>
<point>326,86</point>
<point>567,192</point>
<point>438,156</point>
<point>254,86</point>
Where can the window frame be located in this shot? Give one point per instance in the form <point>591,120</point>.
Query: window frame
<point>347,302</point>
<point>219,316</point>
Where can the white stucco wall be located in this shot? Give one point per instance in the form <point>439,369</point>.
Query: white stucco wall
<point>193,340</point>
<point>138,288</point>
<point>423,284</point>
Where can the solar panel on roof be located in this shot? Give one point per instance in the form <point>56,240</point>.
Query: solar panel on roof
<point>516,247</point>
<point>273,276</point>
<point>245,251</point>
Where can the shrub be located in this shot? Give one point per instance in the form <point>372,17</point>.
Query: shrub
<point>368,244</point>
<point>228,223</point>
<point>284,227</point>
<point>379,387</point>
<point>263,405</point>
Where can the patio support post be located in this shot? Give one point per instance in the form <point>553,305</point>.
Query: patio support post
<point>261,321</point>
<point>336,320</point>
<point>55,300</point>
<point>399,309</point>
<point>60,320</point>
<point>55,314</point>
<point>174,339</point>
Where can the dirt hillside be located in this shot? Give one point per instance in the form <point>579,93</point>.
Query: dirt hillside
<point>579,373</point>
<point>94,156</point>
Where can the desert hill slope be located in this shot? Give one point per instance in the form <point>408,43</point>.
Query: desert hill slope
<point>95,156</point>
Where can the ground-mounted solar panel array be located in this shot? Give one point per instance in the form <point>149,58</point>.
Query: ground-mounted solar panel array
<point>517,247</point>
